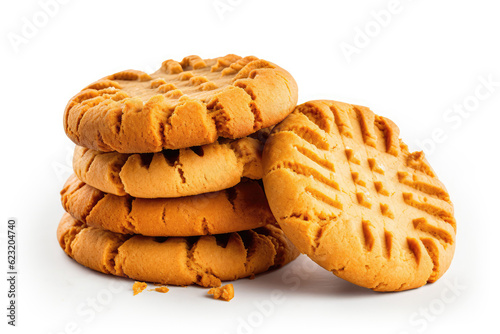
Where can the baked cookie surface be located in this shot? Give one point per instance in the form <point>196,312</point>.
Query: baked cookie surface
<point>204,261</point>
<point>183,104</point>
<point>348,193</point>
<point>171,173</point>
<point>239,208</point>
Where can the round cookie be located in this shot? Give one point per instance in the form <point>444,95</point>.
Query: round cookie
<point>242,207</point>
<point>348,193</point>
<point>171,173</point>
<point>205,260</point>
<point>181,105</point>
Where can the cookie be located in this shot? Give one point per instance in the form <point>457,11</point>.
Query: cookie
<point>204,261</point>
<point>183,104</point>
<point>242,207</point>
<point>171,173</point>
<point>348,193</point>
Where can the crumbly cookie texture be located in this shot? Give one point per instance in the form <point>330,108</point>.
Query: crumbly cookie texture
<point>172,173</point>
<point>205,260</point>
<point>161,289</point>
<point>349,194</point>
<point>183,104</point>
<point>240,208</point>
<point>139,287</point>
<point>225,292</point>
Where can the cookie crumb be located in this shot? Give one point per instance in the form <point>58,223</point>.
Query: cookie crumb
<point>139,287</point>
<point>162,289</point>
<point>225,292</point>
<point>251,276</point>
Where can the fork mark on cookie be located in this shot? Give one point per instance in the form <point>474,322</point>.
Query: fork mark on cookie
<point>322,197</point>
<point>311,155</point>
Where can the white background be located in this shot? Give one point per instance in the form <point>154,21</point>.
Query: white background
<point>427,57</point>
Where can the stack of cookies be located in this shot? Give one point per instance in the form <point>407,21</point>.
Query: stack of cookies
<point>167,172</point>
<point>167,168</point>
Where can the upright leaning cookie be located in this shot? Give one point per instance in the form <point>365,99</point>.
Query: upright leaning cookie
<point>183,104</point>
<point>205,260</point>
<point>349,194</point>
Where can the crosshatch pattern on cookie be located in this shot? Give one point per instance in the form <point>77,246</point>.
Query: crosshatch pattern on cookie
<point>355,176</point>
<point>205,260</point>
<point>183,104</point>
<point>172,173</point>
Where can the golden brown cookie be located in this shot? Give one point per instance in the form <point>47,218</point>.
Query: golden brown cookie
<point>349,194</point>
<point>171,173</point>
<point>205,260</point>
<point>242,207</point>
<point>184,104</point>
